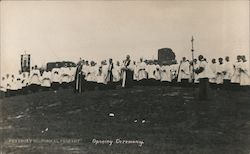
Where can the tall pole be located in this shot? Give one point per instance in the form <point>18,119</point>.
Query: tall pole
<point>192,50</point>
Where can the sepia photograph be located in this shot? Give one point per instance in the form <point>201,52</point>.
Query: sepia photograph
<point>124,77</point>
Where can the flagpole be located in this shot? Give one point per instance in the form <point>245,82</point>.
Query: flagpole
<point>192,50</point>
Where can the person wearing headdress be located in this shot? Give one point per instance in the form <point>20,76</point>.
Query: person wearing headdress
<point>244,74</point>
<point>203,78</point>
<point>235,80</point>
<point>35,82</point>
<point>127,73</point>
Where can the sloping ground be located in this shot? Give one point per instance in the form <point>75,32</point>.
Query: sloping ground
<point>167,119</point>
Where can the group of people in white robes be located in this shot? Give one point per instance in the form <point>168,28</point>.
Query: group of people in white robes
<point>107,74</point>
<point>36,80</point>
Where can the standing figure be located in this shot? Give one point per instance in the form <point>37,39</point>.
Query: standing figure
<point>203,78</point>
<point>235,80</point>
<point>117,73</point>
<point>244,73</point>
<point>212,80</point>
<point>166,76</point>
<point>228,66</point>
<point>46,80</point>
<point>127,73</point>
<point>220,73</point>
<point>35,79</point>
<point>141,71</point>
<point>184,72</point>
<point>109,77</point>
<point>56,77</point>
<point>78,78</point>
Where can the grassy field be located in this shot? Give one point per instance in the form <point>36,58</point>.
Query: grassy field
<point>168,120</point>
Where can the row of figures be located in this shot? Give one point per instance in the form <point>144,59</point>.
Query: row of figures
<point>219,73</point>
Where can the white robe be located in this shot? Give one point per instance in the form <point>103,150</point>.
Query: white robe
<point>56,75</point>
<point>116,73</point>
<point>46,79</point>
<point>236,74</point>
<point>19,81</point>
<point>157,72</point>
<point>72,73</point>
<point>219,73</point>
<point>228,66</point>
<point>92,71</point>
<point>244,74</point>
<point>151,69</point>
<point>3,86</point>
<point>135,75</point>
<point>141,68</point>
<point>13,84</point>
<point>101,76</point>
<point>174,70</point>
<point>65,75</point>
<point>213,70</point>
<point>35,77</point>
<point>184,72</point>
<point>166,73</point>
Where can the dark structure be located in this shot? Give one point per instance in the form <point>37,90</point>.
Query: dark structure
<point>25,62</point>
<point>166,56</point>
<point>52,65</point>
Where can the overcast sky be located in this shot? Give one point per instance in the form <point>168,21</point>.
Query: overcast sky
<point>67,30</point>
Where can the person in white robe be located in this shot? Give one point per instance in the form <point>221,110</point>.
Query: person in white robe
<point>203,78</point>
<point>228,66</point>
<point>235,80</point>
<point>55,77</point>
<point>117,73</point>
<point>46,80</point>
<point>166,76</point>
<point>184,72</point>
<point>244,73</point>
<point>34,81</point>
<point>141,69</point>
<point>91,77</point>
<point>151,69</point>
<point>8,85</point>
<point>13,86</point>
<point>220,73</point>
<point>19,83</point>
<point>65,76</point>
<point>101,75</point>
<point>174,71</point>
<point>3,87</point>
<point>157,73</point>
<point>212,80</point>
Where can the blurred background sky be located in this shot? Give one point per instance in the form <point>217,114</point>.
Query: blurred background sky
<point>96,30</point>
